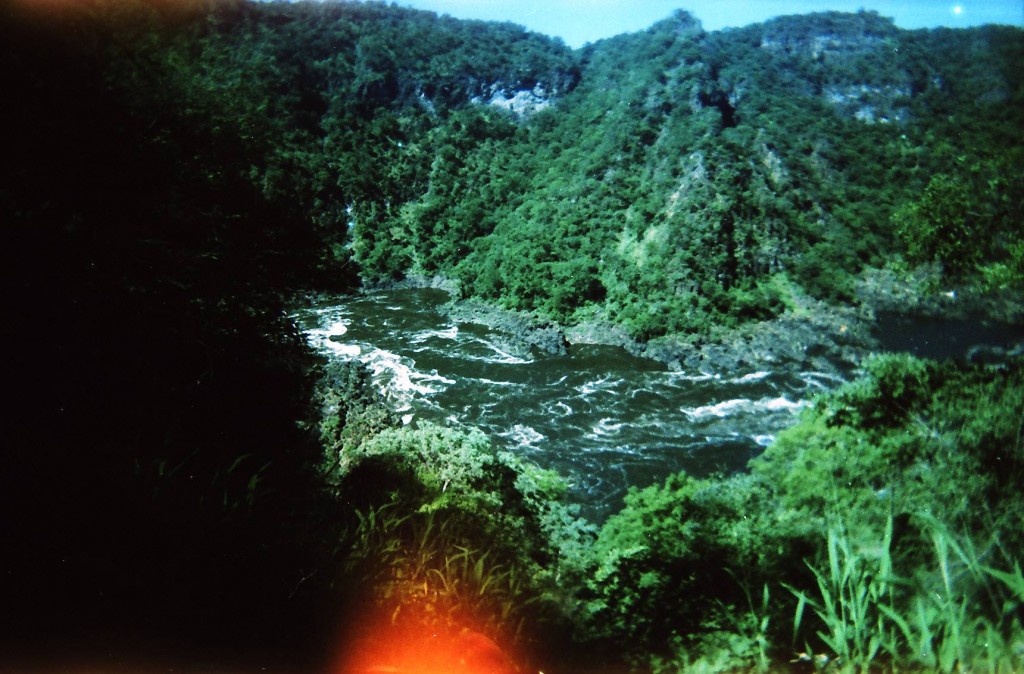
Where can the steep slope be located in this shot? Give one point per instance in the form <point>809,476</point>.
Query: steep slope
<point>693,178</point>
<point>668,181</point>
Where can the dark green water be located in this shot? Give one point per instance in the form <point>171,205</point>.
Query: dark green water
<point>602,418</point>
<point>957,338</point>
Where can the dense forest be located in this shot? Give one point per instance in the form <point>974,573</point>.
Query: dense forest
<point>187,484</point>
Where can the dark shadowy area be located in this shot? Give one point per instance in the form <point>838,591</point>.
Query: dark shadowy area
<point>157,496</point>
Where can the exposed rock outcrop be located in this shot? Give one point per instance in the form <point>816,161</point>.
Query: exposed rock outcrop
<point>523,331</point>
<point>522,102</point>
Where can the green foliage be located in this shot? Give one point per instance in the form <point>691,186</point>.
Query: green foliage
<point>419,566</point>
<point>908,439</point>
<point>968,219</point>
<point>937,227</point>
<point>910,436</point>
<point>855,593</point>
<point>174,170</point>
<point>885,397</point>
<point>666,200</point>
<point>453,468</point>
<point>859,511</point>
<point>450,531</point>
<point>954,614</point>
<point>673,175</point>
<point>1008,273</point>
<point>354,410</point>
<point>658,559</point>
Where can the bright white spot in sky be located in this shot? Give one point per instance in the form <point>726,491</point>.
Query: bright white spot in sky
<point>958,10</point>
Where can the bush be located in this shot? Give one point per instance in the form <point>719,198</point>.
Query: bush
<point>445,528</point>
<point>683,561</point>
<point>353,410</point>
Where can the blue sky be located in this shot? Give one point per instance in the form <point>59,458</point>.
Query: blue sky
<point>581,21</point>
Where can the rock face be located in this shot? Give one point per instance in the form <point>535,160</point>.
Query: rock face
<point>525,96</point>
<point>850,48</point>
<point>829,34</point>
<point>986,354</point>
<point>523,332</point>
<point>826,342</point>
<point>869,103</point>
<point>522,102</point>
<point>824,346</point>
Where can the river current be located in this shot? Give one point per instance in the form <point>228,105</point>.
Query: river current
<point>602,418</point>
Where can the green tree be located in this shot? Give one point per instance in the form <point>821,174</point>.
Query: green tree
<point>967,220</point>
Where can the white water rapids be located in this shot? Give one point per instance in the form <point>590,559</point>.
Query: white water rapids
<point>602,418</point>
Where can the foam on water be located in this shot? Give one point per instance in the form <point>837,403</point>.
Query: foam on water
<point>735,406</point>
<point>552,409</point>
<point>446,333</point>
<point>494,354</point>
<point>604,423</point>
<point>781,403</point>
<point>748,378</point>
<point>400,377</point>
<point>491,382</point>
<point>348,351</point>
<point>607,426</point>
<point>502,357</point>
<point>603,383</point>
<point>822,380</point>
<point>523,435</point>
<point>720,410</point>
<point>320,340</point>
<point>683,376</point>
<point>337,328</point>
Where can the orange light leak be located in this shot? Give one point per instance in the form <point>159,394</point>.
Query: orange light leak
<point>409,646</point>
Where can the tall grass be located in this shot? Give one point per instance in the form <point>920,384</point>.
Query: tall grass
<point>420,563</point>
<point>965,615</point>
<point>851,591</point>
<point>958,615</point>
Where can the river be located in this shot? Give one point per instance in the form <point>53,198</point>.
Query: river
<point>602,418</point>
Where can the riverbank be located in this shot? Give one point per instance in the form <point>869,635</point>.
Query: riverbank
<point>813,336</point>
<point>810,335</point>
<point>633,442</point>
<point>921,293</point>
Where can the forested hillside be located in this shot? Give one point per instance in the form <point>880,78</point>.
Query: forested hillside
<point>175,173</point>
<point>693,178</point>
<point>663,181</point>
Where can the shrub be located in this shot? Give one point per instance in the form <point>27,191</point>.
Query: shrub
<point>682,561</point>
<point>449,530</point>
